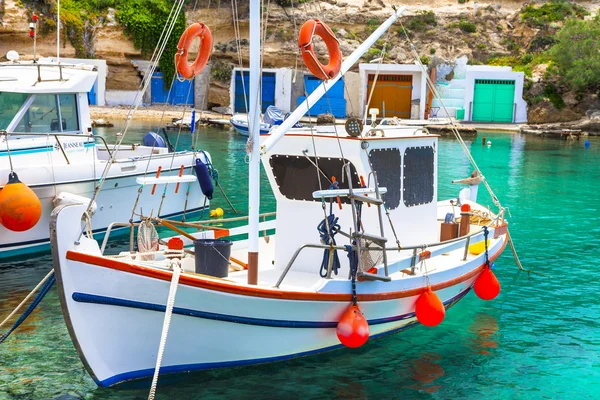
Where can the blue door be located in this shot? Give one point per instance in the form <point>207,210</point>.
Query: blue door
<point>157,86</point>
<point>268,91</point>
<point>182,93</point>
<point>92,98</point>
<point>333,102</point>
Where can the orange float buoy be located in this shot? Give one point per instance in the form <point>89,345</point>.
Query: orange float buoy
<point>487,286</point>
<point>429,308</point>
<point>20,208</point>
<point>315,27</point>
<point>185,69</point>
<point>353,328</point>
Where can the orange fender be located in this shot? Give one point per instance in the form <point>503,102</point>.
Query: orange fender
<point>185,69</point>
<point>315,27</point>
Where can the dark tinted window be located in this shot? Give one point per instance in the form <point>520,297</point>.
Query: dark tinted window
<point>297,179</point>
<point>418,176</point>
<point>386,162</point>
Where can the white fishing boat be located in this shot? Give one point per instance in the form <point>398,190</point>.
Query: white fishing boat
<point>46,139</point>
<point>273,117</point>
<point>353,258</point>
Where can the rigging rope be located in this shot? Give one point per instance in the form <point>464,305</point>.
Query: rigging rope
<point>158,51</point>
<point>328,228</point>
<point>45,284</point>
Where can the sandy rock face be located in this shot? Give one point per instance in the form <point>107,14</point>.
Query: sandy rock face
<point>544,112</point>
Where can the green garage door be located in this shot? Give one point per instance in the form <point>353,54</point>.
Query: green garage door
<point>493,100</point>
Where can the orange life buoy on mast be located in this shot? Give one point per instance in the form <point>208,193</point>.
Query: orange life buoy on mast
<point>315,27</point>
<point>185,69</point>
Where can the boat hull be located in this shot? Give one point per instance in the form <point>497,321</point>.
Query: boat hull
<point>241,126</point>
<point>115,312</point>
<point>114,203</point>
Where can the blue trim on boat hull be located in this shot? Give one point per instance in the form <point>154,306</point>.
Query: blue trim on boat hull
<point>147,373</point>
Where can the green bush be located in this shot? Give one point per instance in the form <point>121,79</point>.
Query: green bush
<point>540,43</point>
<point>467,26</point>
<point>144,21</point>
<point>432,51</point>
<point>554,97</point>
<point>577,54</point>
<point>554,10</point>
<point>221,71</point>
<point>425,60</point>
<point>526,58</point>
<point>421,22</point>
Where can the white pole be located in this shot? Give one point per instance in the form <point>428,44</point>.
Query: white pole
<point>254,138</point>
<point>58,31</point>
<point>280,130</point>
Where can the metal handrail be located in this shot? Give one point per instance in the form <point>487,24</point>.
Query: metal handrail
<point>110,228</point>
<point>73,135</point>
<point>467,239</point>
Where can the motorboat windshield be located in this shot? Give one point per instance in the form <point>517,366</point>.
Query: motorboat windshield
<point>10,104</point>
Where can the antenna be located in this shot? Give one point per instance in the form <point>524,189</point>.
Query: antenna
<point>58,31</point>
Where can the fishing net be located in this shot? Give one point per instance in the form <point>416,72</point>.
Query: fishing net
<point>371,254</point>
<point>147,240</point>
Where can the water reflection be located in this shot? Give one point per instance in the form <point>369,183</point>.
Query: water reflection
<point>424,371</point>
<point>483,333</point>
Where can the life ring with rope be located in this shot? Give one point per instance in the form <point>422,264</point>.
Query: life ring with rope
<point>315,27</point>
<point>196,30</point>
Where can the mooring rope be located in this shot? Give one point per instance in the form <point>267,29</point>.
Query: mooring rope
<point>45,284</point>
<point>165,329</point>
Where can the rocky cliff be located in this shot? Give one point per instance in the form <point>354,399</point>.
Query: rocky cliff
<point>498,33</point>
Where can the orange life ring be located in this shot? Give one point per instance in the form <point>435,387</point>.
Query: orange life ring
<point>315,27</point>
<point>185,69</point>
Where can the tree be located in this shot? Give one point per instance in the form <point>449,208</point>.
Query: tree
<point>577,53</point>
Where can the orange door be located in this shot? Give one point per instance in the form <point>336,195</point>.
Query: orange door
<point>392,95</point>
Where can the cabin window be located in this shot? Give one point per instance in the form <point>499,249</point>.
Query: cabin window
<point>297,179</point>
<point>387,164</point>
<point>44,112</point>
<point>42,115</point>
<point>68,112</point>
<point>10,103</point>
<point>418,176</point>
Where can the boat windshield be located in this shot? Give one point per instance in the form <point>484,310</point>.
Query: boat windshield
<point>10,103</point>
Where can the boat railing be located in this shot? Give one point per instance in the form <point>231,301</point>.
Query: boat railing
<point>419,251</point>
<point>56,136</point>
<point>60,67</point>
<point>197,224</point>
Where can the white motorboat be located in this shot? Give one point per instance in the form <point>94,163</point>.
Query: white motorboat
<point>46,139</point>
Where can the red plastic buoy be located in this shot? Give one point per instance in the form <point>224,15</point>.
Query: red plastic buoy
<point>353,328</point>
<point>465,208</point>
<point>20,208</point>
<point>429,308</point>
<point>487,286</point>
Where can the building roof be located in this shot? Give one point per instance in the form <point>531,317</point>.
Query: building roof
<point>24,77</point>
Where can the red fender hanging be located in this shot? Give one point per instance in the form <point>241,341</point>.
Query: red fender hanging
<point>315,27</point>
<point>487,286</point>
<point>353,328</point>
<point>429,308</point>
<point>185,69</point>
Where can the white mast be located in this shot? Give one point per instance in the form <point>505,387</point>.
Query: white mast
<point>280,130</point>
<point>58,31</point>
<point>254,138</point>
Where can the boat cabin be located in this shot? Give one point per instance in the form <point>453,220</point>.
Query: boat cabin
<point>405,161</point>
<point>35,97</point>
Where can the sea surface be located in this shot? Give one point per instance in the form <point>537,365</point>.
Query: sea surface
<point>540,339</point>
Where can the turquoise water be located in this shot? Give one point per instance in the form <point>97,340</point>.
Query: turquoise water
<point>539,339</point>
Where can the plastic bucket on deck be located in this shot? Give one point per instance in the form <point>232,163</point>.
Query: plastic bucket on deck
<point>212,257</point>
